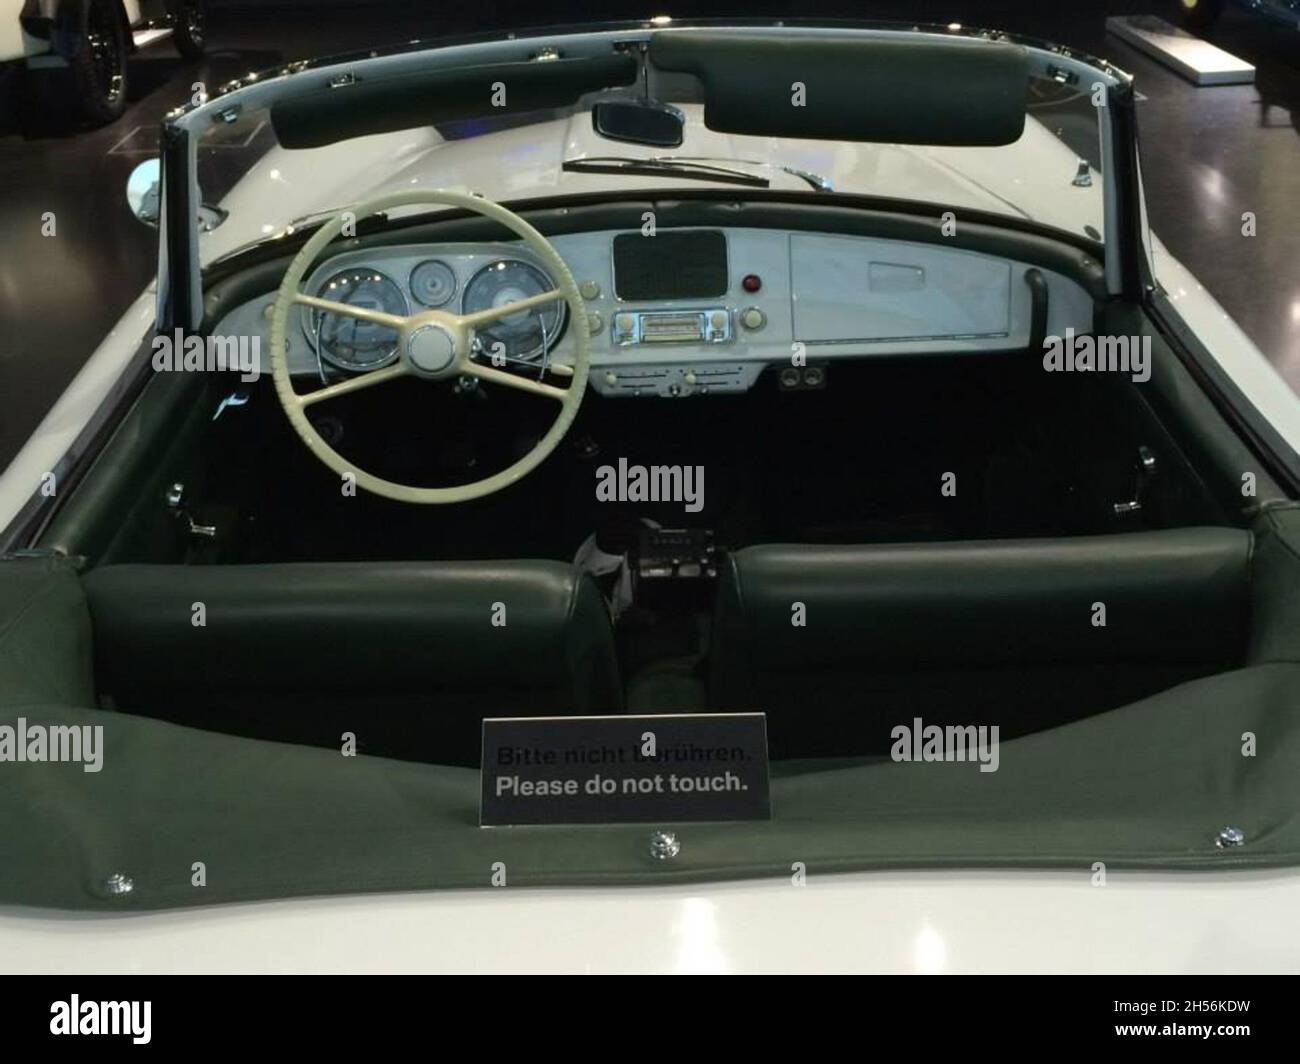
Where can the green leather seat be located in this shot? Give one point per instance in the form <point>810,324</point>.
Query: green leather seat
<point>408,656</point>
<point>995,632</point>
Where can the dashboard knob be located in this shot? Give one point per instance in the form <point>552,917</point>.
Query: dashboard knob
<point>718,319</point>
<point>594,323</point>
<point>611,378</point>
<point>752,318</point>
<point>625,323</point>
<point>690,379</point>
<point>589,290</point>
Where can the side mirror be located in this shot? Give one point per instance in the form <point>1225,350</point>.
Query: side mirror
<point>639,122</point>
<point>142,192</point>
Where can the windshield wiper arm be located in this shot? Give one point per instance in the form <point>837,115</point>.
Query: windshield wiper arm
<point>661,167</point>
<point>817,181</point>
<point>324,214</point>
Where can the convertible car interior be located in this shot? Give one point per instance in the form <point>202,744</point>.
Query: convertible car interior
<point>823,486</point>
<point>808,458</point>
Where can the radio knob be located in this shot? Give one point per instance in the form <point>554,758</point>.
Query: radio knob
<point>624,323</point>
<point>718,319</point>
<point>589,290</point>
<point>752,318</point>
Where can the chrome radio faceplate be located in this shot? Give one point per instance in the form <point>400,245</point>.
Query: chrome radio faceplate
<point>710,325</point>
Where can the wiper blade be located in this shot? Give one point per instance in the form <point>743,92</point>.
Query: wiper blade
<point>659,167</point>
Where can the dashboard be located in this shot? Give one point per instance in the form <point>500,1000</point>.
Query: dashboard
<point>680,312</point>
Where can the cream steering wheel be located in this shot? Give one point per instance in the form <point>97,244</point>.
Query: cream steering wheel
<point>433,344</point>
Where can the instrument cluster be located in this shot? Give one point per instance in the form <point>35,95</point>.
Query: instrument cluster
<point>462,283</point>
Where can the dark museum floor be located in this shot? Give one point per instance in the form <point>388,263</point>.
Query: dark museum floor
<point>1209,154</point>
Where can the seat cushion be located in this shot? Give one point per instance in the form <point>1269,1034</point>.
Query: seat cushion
<point>409,656</point>
<point>1002,631</point>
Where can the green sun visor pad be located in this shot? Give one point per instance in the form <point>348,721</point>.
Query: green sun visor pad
<point>943,92</point>
<point>326,114</point>
<point>1151,786</point>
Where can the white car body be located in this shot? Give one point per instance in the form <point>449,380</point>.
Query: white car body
<point>949,921</point>
<point>892,922</point>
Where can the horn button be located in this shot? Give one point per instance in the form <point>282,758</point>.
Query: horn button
<point>431,350</point>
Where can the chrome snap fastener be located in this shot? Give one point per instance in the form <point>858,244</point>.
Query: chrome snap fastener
<point>664,845</point>
<point>1229,837</point>
<point>118,884</point>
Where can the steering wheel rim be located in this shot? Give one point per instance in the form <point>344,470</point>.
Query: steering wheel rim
<point>433,344</point>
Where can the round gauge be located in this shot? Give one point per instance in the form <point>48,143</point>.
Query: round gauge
<point>526,333</point>
<point>349,342</point>
<point>433,283</point>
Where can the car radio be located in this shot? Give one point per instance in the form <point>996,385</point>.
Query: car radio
<point>711,325</point>
<point>673,566</point>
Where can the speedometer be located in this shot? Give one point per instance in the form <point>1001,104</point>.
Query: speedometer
<point>523,336</point>
<point>351,343</point>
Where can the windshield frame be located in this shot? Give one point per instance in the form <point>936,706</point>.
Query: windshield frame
<point>180,300</point>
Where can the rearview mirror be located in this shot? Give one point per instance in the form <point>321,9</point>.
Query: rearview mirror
<point>639,122</point>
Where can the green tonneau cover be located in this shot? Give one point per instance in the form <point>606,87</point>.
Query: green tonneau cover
<point>1149,785</point>
<point>1146,786</point>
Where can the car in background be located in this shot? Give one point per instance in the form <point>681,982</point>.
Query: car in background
<point>85,45</point>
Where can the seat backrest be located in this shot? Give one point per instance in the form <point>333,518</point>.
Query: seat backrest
<point>408,656</point>
<point>841,643</point>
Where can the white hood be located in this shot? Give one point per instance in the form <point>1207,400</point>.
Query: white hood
<point>1029,179</point>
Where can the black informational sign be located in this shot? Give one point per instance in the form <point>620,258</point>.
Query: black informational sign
<point>624,770</point>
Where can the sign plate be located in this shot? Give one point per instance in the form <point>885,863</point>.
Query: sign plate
<point>624,769</point>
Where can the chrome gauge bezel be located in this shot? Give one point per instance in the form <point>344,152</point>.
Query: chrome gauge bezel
<point>308,319</point>
<point>415,294</point>
<point>549,343</point>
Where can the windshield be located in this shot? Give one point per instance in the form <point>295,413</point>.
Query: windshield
<point>1051,176</point>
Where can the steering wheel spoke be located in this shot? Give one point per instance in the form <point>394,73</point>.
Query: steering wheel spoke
<point>523,384</point>
<point>479,317</point>
<point>353,384</point>
<point>379,317</point>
